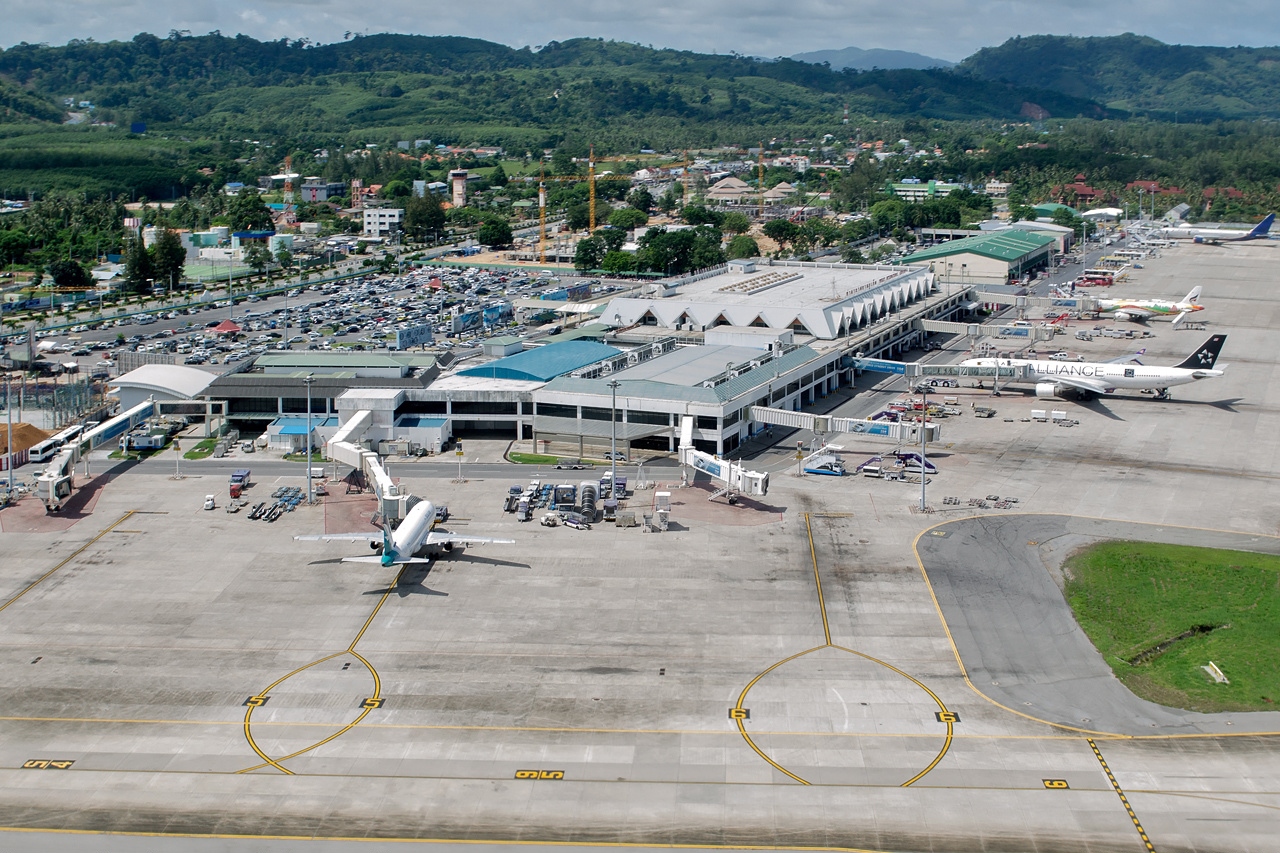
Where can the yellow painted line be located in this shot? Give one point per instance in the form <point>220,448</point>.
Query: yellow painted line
<point>826,630</point>
<point>817,579</point>
<point>742,729</point>
<point>1137,824</point>
<point>72,556</point>
<point>624,845</point>
<point>964,673</point>
<point>350,650</point>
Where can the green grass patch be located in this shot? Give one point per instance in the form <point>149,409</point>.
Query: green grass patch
<point>201,450</point>
<point>1158,613</point>
<point>532,459</point>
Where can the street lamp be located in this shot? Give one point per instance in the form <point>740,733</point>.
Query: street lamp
<point>308,379</point>
<point>613,435</point>
<point>7,365</point>
<point>924,465</point>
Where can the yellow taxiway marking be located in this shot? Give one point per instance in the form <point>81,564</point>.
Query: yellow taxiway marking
<point>76,553</point>
<point>739,713</point>
<point>372,702</point>
<point>964,673</point>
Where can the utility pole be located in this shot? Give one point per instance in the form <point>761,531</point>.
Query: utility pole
<point>311,499</point>
<point>613,436</point>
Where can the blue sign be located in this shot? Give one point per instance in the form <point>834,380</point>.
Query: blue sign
<point>1066,303</point>
<point>1014,331</point>
<point>870,428</point>
<point>879,365</point>
<point>707,465</point>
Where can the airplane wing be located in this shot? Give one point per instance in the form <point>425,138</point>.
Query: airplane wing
<point>1131,358</point>
<point>444,537</point>
<point>371,536</point>
<point>1084,384</point>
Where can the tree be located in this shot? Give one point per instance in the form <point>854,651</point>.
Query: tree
<point>68,273</point>
<point>14,245</point>
<point>618,262</point>
<point>577,217</point>
<point>168,258</point>
<point>494,232</point>
<point>613,237</point>
<point>396,189</point>
<point>670,199</point>
<point>628,218</point>
<point>139,269</point>
<point>284,258</point>
<point>498,178</point>
<point>781,231</point>
<point>589,254</point>
<point>249,212</point>
<point>641,199</point>
<point>735,222</point>
<point>743,246</point>
<point>258,257</point>
<point>696,214</point>
<point>850,255</point>
<point>423,216</point>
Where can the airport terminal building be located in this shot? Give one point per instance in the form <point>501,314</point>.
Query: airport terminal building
<point>707,346</point>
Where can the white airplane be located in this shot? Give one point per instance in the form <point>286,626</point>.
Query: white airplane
<point>1214,236</point>
<point>1088,379</point>
<point>412,538</point>
<point>1140,310</point>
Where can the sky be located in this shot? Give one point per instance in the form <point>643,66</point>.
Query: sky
<point>944,29</point>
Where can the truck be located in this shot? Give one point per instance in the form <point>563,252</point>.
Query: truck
<point>239,481</point>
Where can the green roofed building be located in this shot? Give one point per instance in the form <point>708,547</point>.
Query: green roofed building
<point>993,258</point>
<point>1049,208</point>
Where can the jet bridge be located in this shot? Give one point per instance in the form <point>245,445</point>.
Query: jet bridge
<point>980,330</point>
<point>916,369</point>
<point>55,484</point>
<point>899,432</point>
<point>1059,304</point>
<point>344,447</point>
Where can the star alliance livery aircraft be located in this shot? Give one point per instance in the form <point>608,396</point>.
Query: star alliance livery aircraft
<point>1085,380</point>
<point>1214,236</point>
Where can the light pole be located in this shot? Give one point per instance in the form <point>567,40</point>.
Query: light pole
<point>310,377</point>
<point>7,365</point>
<point>613,435</point>
<point>924,415</point>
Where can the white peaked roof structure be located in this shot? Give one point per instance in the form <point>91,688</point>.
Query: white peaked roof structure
<point>729,189</point>
<point>827,301</point>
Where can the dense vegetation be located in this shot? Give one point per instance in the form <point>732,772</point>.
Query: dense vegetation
<point>1158,613</point>
<point>1141,75</point>
<point>440,85</point>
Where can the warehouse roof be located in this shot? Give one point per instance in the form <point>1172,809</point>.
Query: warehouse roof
<point>544,363</point>
<point>1009,245</point>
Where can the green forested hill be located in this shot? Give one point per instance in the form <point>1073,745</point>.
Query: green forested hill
<point>452,89</point>
<point>1141,75</point>
<point>19,105</point>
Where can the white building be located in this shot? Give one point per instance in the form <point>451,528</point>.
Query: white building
<point>382,221</point>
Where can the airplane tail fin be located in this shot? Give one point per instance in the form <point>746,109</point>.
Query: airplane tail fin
<point>1194,296</point>
<point>1263,227</point>
<point>1206,356</point>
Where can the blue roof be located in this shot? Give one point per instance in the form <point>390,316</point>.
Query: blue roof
<point>298,426</point>
<point>544,363</point>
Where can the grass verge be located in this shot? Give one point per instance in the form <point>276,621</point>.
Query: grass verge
<point>1158,613</point>
<point>532,459</point>
<point>201,450</point>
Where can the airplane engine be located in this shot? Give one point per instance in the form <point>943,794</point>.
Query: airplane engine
<point>447,547</point>
<point>374,546</point>
<point>1120,315</point>
<point>1197,240</point>
<point>1047,389</point>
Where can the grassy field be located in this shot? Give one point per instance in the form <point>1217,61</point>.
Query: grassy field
<point>1158,613</point>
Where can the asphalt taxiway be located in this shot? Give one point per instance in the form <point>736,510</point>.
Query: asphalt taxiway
<point>781,674</point>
